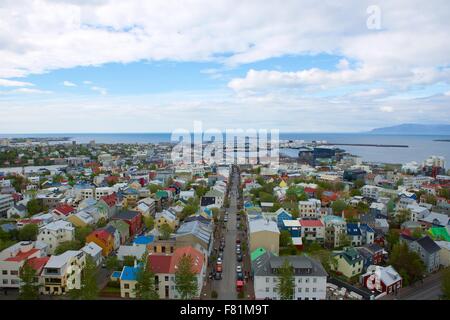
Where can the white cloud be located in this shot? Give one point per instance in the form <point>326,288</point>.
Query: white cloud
<point>69,84</point>
<point>25,91</point>
<point>370,93</point>
<point>387,109</point>
<point>12,83</point>
<point>100,90</point>
<point>87,82</point>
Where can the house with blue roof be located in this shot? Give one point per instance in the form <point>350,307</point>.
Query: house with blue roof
<point>128,280</point>
<point>281,215</point>
<point>143,240</point>
<point>360,234</point>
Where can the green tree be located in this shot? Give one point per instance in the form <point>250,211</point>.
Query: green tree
<point>35,206</point>
<point>29,232</point>
<point>68,245</point>
<point>338,206</point>
<point>407,263</point>
<point>286,283</point>
<point>145,281</point>
<point>101,223</point>
<point>88,289</point>
<point>154,188</point>
<point>112,263</point>
<point>81,233</point>
<point>165,231</point>
<point>446,283</point>
<point>128,261</point>
<point>401,216</point>
<point>188,211</point>
<point>185,278</point>
<point>285,238</point>
<point>392,238</point>
<point>29,289</point>
<point>149,222</point>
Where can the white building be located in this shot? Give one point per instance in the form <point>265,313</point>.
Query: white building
<point>309,208</point>
<point>13,258</point>
<point>6,202</point>
<point>95,251</point>
<point>309,276</point>
<point>55,233</point>
<point>369,191</point>
<point>63,273</point>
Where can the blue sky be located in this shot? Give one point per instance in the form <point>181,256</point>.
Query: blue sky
<point>78,66</point>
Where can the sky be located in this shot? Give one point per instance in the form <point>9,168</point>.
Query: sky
<point>69,66</point>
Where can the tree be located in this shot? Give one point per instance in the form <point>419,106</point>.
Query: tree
<point>112,263</point>
<point>101,222</point>
<point>359,183</point>
<point>29,232</point>
<point>285,238</point>
<point>344,240</point>
<point>185,278</point>
<point>446,283</point>
<point>145,281</point>
<point>81,233</point>
<point>392,238</point>
<point>188,211</point>
<point>67,245</point>
<point>407,263</point>
<point>402,216</point>
<point>165,231</point>
<point>149,222</point>
<point>35,206</point>
<point>89,289</point>
<point>286,283</point>
<point>29,289</point>
<point>154,188</point>
<point>338,206</point>
<point>128,261</point>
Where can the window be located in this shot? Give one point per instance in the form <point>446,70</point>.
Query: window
<point>299,289</point>
<point>267,280</point>
<point>314,289</point>
<point>5,281</point>
<point>306,289</point>
<point>306,280</point>
<point>314,280</point>
<point>300,280</point>
<point>166,278</point>
<point>267,289</point>
<point>4,272</point>
<point>126,286</point>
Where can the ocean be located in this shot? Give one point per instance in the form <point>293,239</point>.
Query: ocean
<point>419,148</point>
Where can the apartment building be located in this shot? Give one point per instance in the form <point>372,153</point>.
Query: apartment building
<point>309,208</point>
<point>55,233</point>
<point>6,202</point>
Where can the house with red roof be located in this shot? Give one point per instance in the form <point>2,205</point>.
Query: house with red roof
<point>102,238</point>
<point>312,230</point>
<point>12,260</point>
<point>62,211</point>
<point>110,201</point>
<point>134,220</point>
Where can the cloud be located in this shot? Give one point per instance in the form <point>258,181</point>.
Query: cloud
<point>100,90</point>
<point>387,109</point>
<point>87,82</point>
<point>26,91</point>
<point>370,93</point>
<point>12,83</point>
<point>69,84</point>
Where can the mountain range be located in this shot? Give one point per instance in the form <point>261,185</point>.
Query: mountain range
<point>414,128</point>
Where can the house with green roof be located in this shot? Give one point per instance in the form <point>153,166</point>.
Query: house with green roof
<point>439,233</point>
<point>347,262</point>
<point>257,253</point>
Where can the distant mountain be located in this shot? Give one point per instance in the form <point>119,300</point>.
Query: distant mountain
<point>412,128</point>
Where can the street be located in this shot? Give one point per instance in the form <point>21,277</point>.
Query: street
<point>226,288</point>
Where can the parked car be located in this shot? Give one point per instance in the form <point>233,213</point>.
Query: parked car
<point>239,257</point>
<point>218,276</point>
<point>240,276</point>
<point>238,269</point>
<point>219,260</point>
<point>238,250</point>
<point>238,241</point>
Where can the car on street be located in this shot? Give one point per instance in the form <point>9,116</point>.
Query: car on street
<point>218,276</point>
<point>239,257</point>
<point>219,260</point>
<point>238,241</point>
<point>240,276</point>
<point>238,269</point>
<point>238,250</point>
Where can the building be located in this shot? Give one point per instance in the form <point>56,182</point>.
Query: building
<point>95,251</point>
<point>103,239</point>
<point>6,202</point>
<point>444,253</point>
<point>55,233</point>
<point>134,220</point>
<point>426,248</point>
<point>264,233</point>
<point>309,276</point>
<point>63,273</point>
<point>312,230</point>
<point>12,259</point>
<point>197,234</point>
<point>383,280</point>
<point>335,231</point>
<point>166,217</point>
<point>348,262</point>
<point>360,234</point>
<point>309,209</point>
